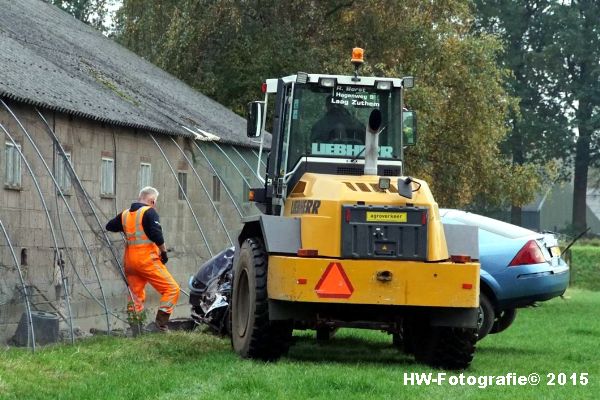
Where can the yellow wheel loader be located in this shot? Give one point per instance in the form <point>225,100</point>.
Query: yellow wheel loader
<point>344,238</point>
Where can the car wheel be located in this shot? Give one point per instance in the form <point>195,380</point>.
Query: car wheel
<point>504,320</point>
<point>485,317</point>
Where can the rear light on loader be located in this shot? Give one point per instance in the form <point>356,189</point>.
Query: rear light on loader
<point>408,82</point>
<point>461,259</point>
<point>383,85</point>
<point>307,253</point>
<point>327,82</point>
<point>384,184</point>
<point>529,254</point>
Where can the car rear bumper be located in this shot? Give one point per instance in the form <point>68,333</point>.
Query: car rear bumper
<point>523,286</point>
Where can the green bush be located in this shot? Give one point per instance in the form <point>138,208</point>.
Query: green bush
<point>585,267</point>
<point>589,241</point>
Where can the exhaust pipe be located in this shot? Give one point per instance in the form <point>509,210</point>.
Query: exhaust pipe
<point>372,143</point>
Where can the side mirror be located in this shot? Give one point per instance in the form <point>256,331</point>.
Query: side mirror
<point>409,127</point>
<point>254,123</point>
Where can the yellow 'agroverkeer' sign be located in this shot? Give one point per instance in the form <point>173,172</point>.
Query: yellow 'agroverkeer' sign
<point>374,216</point>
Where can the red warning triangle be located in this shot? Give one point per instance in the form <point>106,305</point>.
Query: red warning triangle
<point>334,282</point>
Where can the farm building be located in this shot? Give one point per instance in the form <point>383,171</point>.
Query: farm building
<point>552,210</point>
<point>85,124</point>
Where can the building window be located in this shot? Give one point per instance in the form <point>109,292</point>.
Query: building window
<point>182,192</point>
<point>12,166</point>
<point>145,175</point>
<point>216,188</point>
<point>61,174</point>
<point>107,182</point>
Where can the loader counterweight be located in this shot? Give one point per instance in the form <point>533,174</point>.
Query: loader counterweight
<point>406,283</point>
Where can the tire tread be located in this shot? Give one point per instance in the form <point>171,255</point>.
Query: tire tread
<point>268,340</point>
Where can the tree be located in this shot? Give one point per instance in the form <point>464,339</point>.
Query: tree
<point>553,49</point>
<point>573,58</point>
<point>226,48</point>
<point>538,127</point>
<point>92,12</point>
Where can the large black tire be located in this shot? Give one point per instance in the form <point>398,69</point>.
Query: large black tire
<point>445,347</point>
<point>486,317</point>
<point>504,320</point>
<point>253,335</point>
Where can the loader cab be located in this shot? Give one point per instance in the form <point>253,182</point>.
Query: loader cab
<point>319,125</point>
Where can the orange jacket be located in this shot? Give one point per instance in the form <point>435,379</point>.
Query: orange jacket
<point>138,248</point>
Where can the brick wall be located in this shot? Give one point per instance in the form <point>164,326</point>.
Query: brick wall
<point>25,218</point>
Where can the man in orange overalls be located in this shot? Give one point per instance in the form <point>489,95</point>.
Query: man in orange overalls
<point>146,255</point>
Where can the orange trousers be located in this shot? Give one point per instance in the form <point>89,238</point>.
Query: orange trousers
<point>142,267</point>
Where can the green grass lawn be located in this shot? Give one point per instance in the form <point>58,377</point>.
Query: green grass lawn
<point>585,267</point>
<point>562,335</point>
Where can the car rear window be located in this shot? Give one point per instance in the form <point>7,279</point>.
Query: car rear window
<point>487,224</point>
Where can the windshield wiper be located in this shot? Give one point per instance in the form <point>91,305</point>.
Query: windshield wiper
<point>353,159</point>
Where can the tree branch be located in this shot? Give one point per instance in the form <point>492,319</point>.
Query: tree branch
<point>339,7</point>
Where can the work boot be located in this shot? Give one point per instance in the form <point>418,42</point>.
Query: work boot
<point>162,321</point>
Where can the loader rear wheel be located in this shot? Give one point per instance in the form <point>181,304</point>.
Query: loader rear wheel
<point>253,335</point>
<point>444,347</point>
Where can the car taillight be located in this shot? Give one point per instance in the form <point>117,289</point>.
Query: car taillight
<point>529,254</point>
